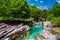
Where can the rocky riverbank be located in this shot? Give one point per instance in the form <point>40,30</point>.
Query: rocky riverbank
<point>11,32</point>
<point>46,35</point>
<point>7,30</point>
<point>49,33</point>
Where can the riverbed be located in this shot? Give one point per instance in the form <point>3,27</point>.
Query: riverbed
<point>32,33</point>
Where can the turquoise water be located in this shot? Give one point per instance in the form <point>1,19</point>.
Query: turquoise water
<point>34,31</point>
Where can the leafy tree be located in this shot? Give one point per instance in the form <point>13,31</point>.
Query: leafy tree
<point>35,12</point>
<point>14,9</point>
<point>56,9</point>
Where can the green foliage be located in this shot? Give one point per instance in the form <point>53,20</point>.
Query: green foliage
<point>56,10</point>
<point>20,10</point>
<point>56,21</point>
<point>50,16</point>
<point>54,15</point>
<point>35,12</point>
<point>14,9</point>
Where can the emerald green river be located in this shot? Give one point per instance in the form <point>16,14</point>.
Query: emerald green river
<point>32,33</point>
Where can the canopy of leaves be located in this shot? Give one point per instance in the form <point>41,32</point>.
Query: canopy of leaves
<point>56,9</point>
<point>16,9</point>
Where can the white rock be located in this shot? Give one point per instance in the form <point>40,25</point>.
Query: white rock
<point>48,36</point>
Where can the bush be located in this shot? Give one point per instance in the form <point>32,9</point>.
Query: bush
<point>56,21</point>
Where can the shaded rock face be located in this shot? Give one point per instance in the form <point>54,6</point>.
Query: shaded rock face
<point>30,24</point>
<point>37,22</point>
<point>14,22</point>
